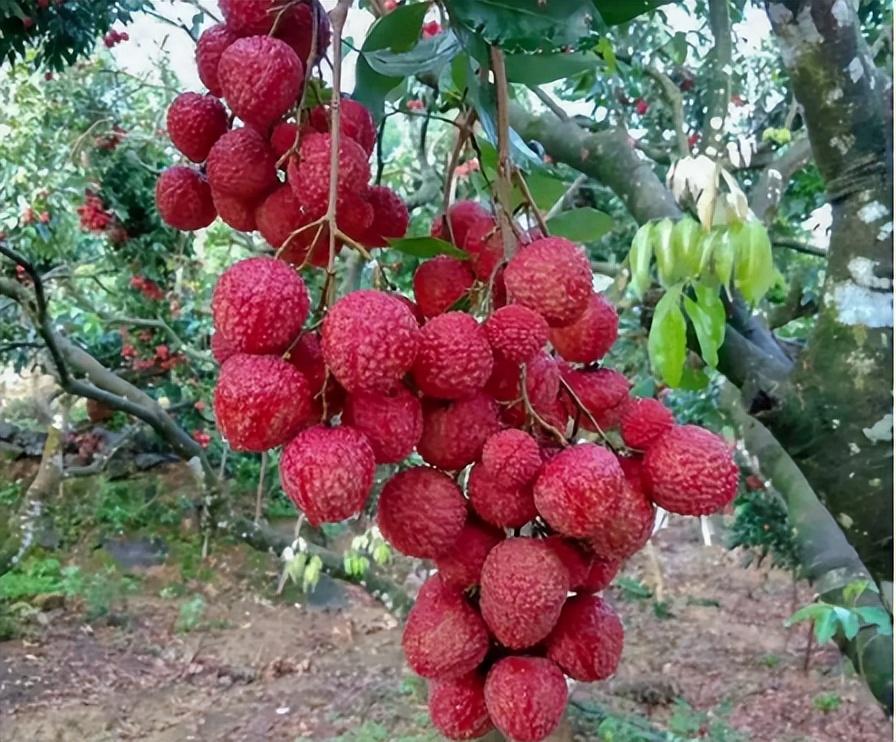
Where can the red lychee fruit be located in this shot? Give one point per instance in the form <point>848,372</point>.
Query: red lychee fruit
<point>235,212</point>
<point>444,636</point>
<point>574,557</point>
<point>505,507</point>
<point>296,27</point>
<point>690,471</point>
<point>590,337</point>
<point>415,310</point>
<point>525,697</point>
<point>260,304</point>
<point>260,402</point>
<point>602,393</point>
<point>421,512</point>
<point>369,341</point>
<point>511,458</point>
<point>195,122</point>
<point>516,333</point>
<point>522,589</point>
<point>461,565</point>
<point>587,641</point>
<point>279,216</point>
<point>642,421</point>
<point>242,164</point>
<point>578,491</point>
<point>327,473</point>
<point>462,215</point>
<point>209,48</point>
<point>261,78</point>
<point>455,432</point>
<point>308,358</point>
<point>454,359</point>
<point>440,283</point>
<point>392,422</point>
<point>309,173</point>
<point>390,217</point>
<point>485,246</point>
<point>600,575</point>
<point>630,530</point>
<point>542,380</point>
<point>283,136</point>
<point>552,276</point>
<point>184,199</point>
<point>221,347</point>
<point>633,468</point>
<point>457,707</point>
<point>355,122</point>
<point>248,17</point>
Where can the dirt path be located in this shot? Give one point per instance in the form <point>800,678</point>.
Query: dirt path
<point>260,670</point>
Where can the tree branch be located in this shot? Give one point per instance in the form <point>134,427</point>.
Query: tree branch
<point>676,102</point>
<point>720,79</point>
<point>766,195</point>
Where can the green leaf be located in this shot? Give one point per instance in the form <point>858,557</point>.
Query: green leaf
<point>825,626</point>
<point>545,190</point>
<point>606,50</point>
<point>693,379</point>
<point>707,314</point>
<point>687,236</point>
<point>426,247</point>
<point>679,47</point>
<point>853,590</point>
<point>876,616</point>
<point>720,249</point>
<point>662,250</point>
<point>429,55</point>
<point>754,267</point>
<point>666,343</point>
<point>525,25</point>
<point>639,257</point>
<point>848,620</point>
<point>581,225</point>
<point>614,12</point>
<point>537,69</point>
<point>811,612</point>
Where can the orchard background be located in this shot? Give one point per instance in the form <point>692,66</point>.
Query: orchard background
<point>727,167</point>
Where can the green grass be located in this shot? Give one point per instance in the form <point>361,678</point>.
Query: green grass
<point>826,702</point>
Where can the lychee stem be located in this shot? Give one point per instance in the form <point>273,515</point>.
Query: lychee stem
<point>531,410</point>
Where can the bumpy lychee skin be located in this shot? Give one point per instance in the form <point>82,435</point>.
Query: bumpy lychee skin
<point>195,122</point>
<point>590,337</point>
<point>461,565</point>
<point>574,557</point>
<point>522,589</point>
<point>392,422</point>
<point>260,304</point>
<point>211,45</point>
<point>390,217</point>
<point>587,641</point>
<point>630,530</point>
<point>525,697</point>
<point>600,575</point>
<point>603,393</point>
<point>444,637</point>
<point>242,164</point>
<point>308,358</point>
<point>633,468</point>
<point>511,457</point>
<point>552,276</point>
<point>184,199</point>
<point>280,220</point>
<point>260,402</point>
<point>370,341</point>
<point>690,471</point>
<point>440,283</point>
<point>454,359</point>
<point>282,138</point>
<point>221,347</point>
<point>457,707</point>
<point>421,512</point>
<point>328,473</point>
<point>462,215</point>
<point>505,507</point>
<point>247,17</point>
<point>579,490</point>
<point>455,432</point>
<point>516,333</point>
<point>296,26</point>
<point>235,212</point>
<point>309,174</point>
<point>642,421</point>
<point>485,246</point>
<point>355,122</point>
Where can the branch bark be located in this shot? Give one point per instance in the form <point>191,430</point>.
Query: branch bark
<point>720,79</point>
<point>765,196</point>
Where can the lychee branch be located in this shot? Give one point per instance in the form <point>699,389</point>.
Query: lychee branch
<point>530,410</point>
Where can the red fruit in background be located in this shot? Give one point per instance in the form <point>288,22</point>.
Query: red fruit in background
<point>525,697</point>
<point>421,512</point>
<point>690,471</point>
<point>587,641</point>
<point>590,337</point>
<point>260,304</point>
<point>600,575</point>
<point>552,276</point>
<point>242,164</point>
<point>184,199</point>
<point>415,310</point>
<point>462,215</point>
<point>430,29</point>
<point>444,637</point>
<point>221,347</point>
<point>578,491</point>
<point>516,333</point>
<point>642,421</point>
<point>457,707</point>
<point>454,359</point>
<point>283,137</point>
<point>641,106</point>
<point>392,422</point>
<point>309,173</point>
<point>505,507</point>
<point>390,217</point>
<point>355,122</point>
<point>455,432</point>
<point>260,402</point>
<point>440,283</point>
<point>195,122</point>
<point>308,358</point>
<point>603,393</point>
<point>485,246</point>
<point>261,78</point>
<point>522,589</point>
<point>576,560</point>
<point>296,28</point>
<point>461,565</point>
<point>235,212</point>
<point>511,458</point>
<point>754,483</point>
<point>390,5</point>
<point>327,473</point>
<point>630,530</point>
<point>369,341</point>
<point>211,45</point>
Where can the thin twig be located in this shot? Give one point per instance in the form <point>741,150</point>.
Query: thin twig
<point>558,206</point>
<point>504,182</point>
<point>555,107</point>
<point>534,414</point>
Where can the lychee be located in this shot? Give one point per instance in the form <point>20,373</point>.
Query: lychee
<point>574,557</point>
<point>525,697</point>
<point>184,199</point>
<point>440,283</point>
<point>235,212</point>
<point>511,458</point>
<point>457,707</point>
<point>461,565</point>
<point>309,173</point>
<point>630,530</point>
<point>455,432</point>
<point>392,422</point>
<point>296,29</point>
<point>211,45</point>
<point>600,575</point>
<point>454,359</point>
<point>355,122</point>
<point>462,215</point>
<point>307,357</point>
<point>516,333</point>
<point>587,640</point>
<point>589,337</point>
<point>602,393</point>
<point>502,506</point>
<point>195,122</point>
<point>248,17</point>
<point>390,217</point>
<point>221,347</point>
<point>642,421</point>
<point>242,164</point>
<point>485,246</point>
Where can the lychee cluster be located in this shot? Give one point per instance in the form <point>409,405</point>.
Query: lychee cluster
<point>259,163</point>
